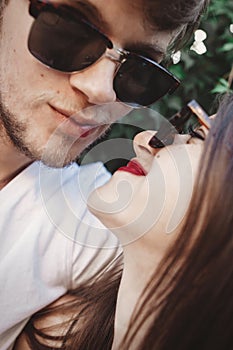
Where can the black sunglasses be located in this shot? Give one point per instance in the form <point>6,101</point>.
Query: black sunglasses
<point>63,40</point>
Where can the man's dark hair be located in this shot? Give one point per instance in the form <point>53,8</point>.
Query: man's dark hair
<point>181,15</point>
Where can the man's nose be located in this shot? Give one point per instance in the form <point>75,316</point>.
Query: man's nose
<point>96,82</point>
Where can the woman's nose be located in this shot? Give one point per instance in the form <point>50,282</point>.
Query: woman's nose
<point>141,144</point>
<point>144,142</point>
<point>96,82</point>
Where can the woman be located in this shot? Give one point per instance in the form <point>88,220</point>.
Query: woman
<point>177,283</point>
<point>144,204</point>
<point>187,301</point>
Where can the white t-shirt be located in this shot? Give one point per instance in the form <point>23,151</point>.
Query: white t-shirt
<point>49,241</point>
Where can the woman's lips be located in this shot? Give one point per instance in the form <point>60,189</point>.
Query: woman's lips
<point>133,167</point>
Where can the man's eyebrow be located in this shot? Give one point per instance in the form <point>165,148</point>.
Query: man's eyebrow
<point>90,12</point>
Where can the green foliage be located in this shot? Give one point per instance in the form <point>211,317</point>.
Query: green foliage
<point>204,76</point>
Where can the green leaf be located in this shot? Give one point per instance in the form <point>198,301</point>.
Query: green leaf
<point>221,87</point>
<point>226,47</point>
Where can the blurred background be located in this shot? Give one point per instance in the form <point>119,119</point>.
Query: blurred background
<point>205,68</point>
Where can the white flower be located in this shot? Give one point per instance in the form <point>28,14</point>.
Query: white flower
<point>176,57</point>
<point>198,47</point>
<point>200,35</point>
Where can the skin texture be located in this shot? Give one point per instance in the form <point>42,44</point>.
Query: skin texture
<point>31,128</point>
<point>146,212</point>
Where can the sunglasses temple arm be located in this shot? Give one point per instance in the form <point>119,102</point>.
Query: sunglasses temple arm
<point>200,113</point>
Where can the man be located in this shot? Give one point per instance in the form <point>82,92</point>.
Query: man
<point>67,70</point>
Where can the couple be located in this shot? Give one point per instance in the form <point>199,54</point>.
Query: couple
<point>171,209</point>
<point>58,58</point>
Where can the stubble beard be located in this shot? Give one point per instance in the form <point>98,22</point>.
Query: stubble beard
<point>56,153</point>
<point>10,129</point>
<point>59,151</point>
<point>13,130</point>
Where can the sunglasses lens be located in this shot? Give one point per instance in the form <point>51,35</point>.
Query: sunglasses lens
<point>139,82</point>
<point>65,44</point>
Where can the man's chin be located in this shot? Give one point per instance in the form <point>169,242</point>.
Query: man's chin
<point>60,157</point>
<point>59,154</point>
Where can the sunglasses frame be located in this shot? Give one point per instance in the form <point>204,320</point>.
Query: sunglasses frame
<point>37,6</point>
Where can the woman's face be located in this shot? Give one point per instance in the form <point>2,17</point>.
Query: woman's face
<point>151,195</point>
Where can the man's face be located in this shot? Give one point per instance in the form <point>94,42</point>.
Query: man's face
<point>37,101</point>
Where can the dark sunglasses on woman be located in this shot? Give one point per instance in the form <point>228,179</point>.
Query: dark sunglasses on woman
<point>63,40</point>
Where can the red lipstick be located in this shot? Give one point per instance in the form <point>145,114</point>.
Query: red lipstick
<point>133,167</point>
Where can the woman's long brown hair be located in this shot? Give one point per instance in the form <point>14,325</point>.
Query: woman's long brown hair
<point>88,316</point>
